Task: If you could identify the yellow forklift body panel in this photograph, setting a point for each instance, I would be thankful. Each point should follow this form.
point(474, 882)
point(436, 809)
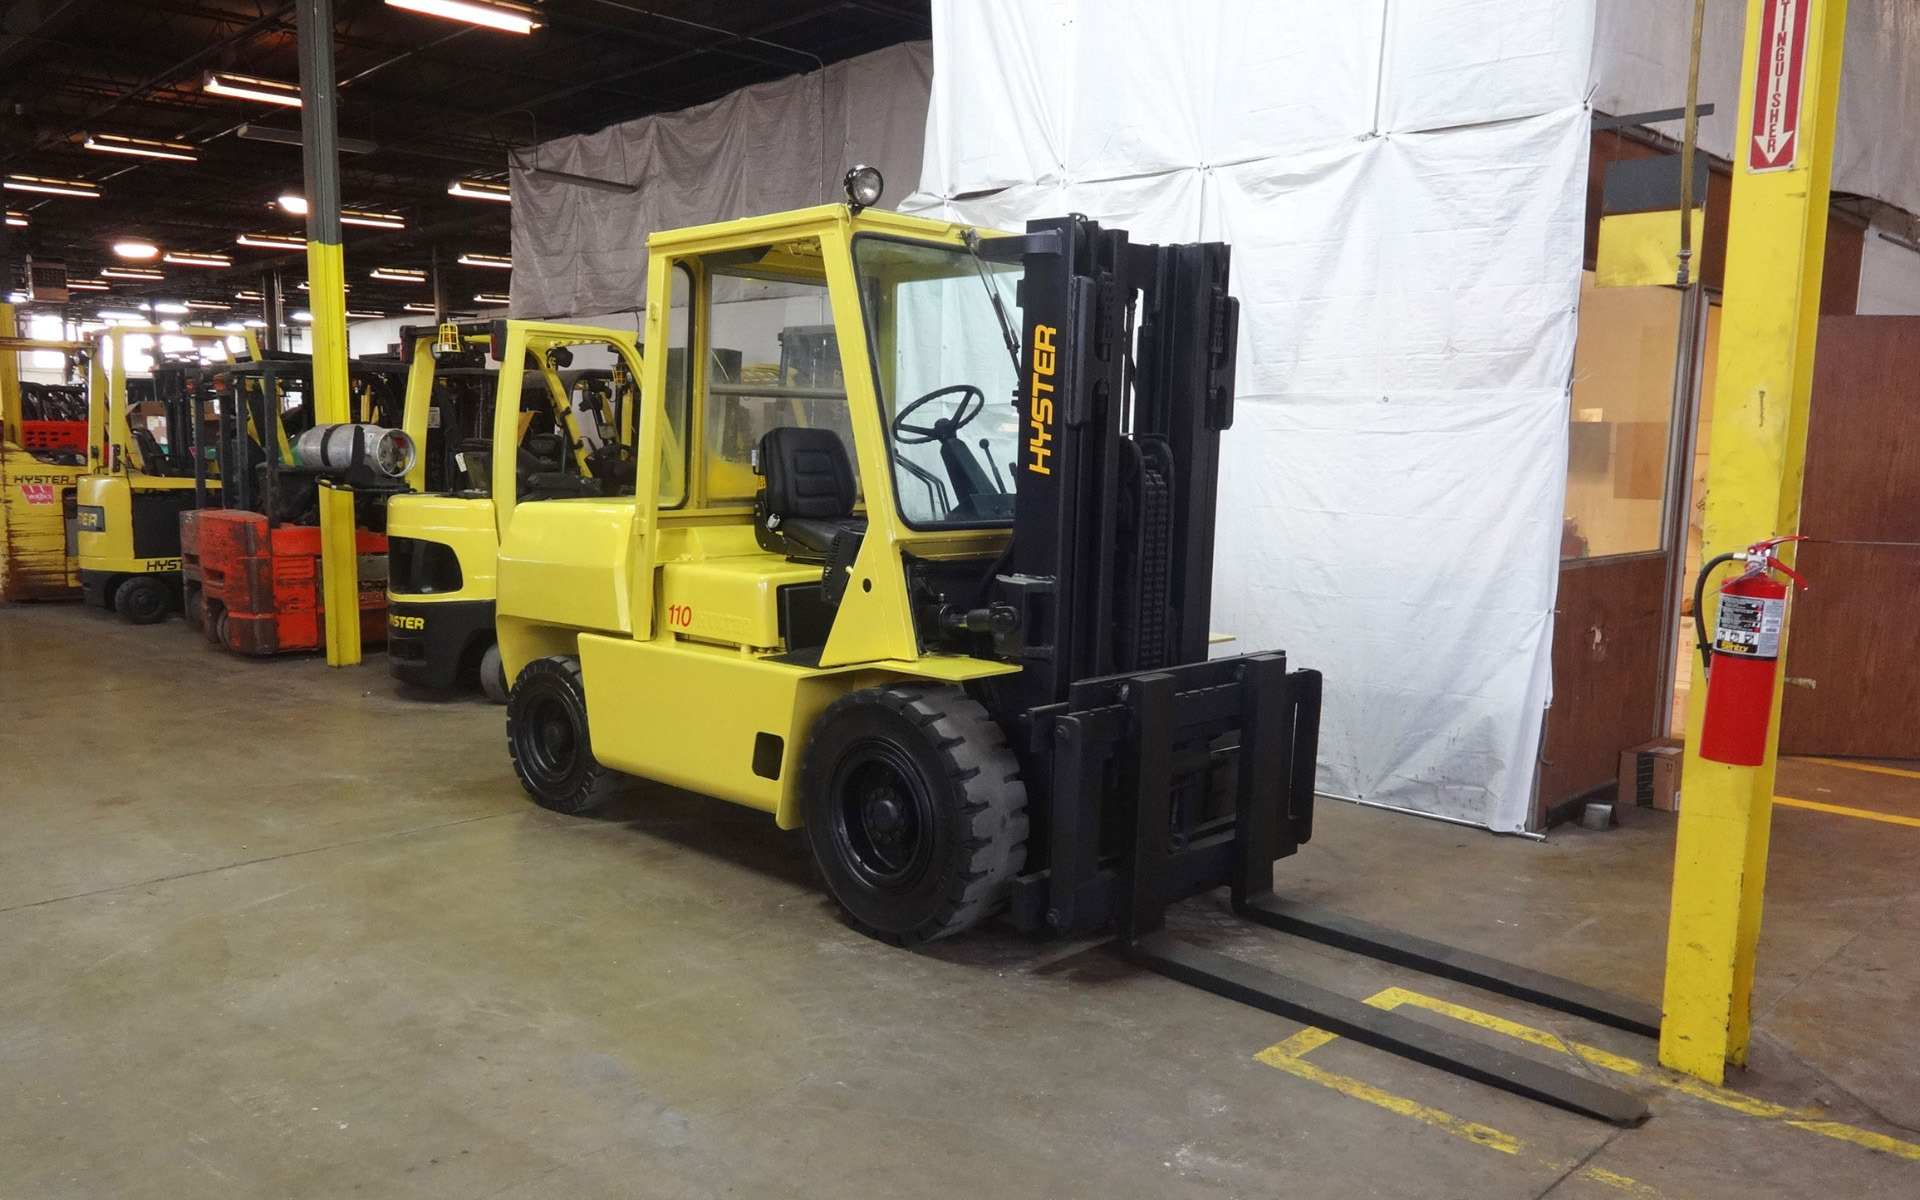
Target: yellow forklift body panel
point(462, 522)
point(565, 562)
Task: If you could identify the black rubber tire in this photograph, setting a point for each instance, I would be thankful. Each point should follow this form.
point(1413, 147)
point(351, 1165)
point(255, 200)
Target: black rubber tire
point(493, 676)
point(143, 600)
point(548, 741)
point(914, 809)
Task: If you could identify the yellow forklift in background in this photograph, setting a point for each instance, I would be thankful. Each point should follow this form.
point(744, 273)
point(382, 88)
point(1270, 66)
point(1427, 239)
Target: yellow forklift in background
point(43, 454)
point(572, 433)
point(942, 601)
point(145, 384)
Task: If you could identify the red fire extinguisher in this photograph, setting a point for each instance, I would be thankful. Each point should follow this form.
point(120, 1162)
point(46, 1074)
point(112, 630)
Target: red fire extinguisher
point(1744, 655)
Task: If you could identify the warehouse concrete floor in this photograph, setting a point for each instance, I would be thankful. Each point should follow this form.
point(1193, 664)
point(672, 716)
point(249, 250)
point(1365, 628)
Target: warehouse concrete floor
point(268, 928)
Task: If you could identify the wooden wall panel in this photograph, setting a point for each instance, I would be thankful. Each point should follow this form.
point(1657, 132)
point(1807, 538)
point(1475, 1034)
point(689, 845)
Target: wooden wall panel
point(1606, 673)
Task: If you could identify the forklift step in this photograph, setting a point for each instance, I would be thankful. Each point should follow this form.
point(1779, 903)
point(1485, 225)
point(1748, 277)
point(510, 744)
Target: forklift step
point(1381, 1029)
point(1449, 962)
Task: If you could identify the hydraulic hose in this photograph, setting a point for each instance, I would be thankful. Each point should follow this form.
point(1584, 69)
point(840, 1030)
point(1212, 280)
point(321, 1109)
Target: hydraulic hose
point(1699, 609)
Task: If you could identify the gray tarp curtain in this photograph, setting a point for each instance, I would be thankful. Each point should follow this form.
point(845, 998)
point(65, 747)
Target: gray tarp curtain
point(773, 146)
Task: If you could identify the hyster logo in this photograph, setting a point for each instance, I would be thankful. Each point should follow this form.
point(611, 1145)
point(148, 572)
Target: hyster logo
point(413, 623)
point(1040, 407)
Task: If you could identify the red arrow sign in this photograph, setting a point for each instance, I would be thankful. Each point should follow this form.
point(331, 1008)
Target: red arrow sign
point(1776, 86)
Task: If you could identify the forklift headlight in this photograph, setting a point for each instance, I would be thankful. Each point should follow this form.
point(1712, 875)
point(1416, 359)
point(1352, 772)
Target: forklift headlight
point(864, 185)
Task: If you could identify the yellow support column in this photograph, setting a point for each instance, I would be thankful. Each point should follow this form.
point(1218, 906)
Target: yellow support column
point(327, 298)
point(1776, 240)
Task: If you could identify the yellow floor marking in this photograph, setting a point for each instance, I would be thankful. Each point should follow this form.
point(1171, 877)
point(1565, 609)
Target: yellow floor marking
point(1840, 811)
point(1872, 1141)
point(1632, 1187)
point(1604, 1059)
point(1671, 1080)
point(1479, 1135)
point(1860, 766)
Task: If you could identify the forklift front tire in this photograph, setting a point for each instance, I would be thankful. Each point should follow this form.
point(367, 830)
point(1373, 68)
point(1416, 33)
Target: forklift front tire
point(143, 600)
point(493, 676)
point(914, 809)
point(547, 738)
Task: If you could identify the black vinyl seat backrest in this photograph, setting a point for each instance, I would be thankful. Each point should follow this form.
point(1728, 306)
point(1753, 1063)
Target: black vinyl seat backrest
point(808, 474)
point(806, 505)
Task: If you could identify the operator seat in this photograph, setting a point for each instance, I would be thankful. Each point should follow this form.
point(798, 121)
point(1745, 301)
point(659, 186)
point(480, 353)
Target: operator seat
point(805, 509)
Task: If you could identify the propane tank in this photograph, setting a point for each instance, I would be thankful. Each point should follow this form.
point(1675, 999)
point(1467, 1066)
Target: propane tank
point(1743, 658)
point(337, 448)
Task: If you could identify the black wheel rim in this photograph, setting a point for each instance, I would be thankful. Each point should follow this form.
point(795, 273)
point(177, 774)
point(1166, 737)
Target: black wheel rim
point(146, 601)
point(883, 816)
point(552, 740)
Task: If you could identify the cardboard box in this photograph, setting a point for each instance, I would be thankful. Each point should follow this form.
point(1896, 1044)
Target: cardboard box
point(1650, 776)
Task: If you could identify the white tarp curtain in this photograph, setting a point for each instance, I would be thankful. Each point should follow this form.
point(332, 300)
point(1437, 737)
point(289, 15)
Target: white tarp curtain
point(1640, 64)
point(1403, 183)
point(765, 148)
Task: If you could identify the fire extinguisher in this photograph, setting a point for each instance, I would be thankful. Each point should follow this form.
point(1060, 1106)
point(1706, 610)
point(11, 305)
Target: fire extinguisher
point(1744, 655)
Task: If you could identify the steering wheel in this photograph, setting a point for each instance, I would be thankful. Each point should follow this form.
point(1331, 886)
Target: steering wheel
point(973, 402)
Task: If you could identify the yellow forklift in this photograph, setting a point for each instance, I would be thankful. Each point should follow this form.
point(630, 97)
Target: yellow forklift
point(942, 602)
point(43, 454)
point(145, 384)
point(572, 433)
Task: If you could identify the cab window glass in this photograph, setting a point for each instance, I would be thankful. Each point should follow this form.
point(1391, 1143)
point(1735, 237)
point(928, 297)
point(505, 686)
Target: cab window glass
point(773, 360)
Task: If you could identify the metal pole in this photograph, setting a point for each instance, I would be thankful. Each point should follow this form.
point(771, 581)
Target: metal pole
point(273, 305)
point(439, 286)
point(1776, 242)
point(327, 299)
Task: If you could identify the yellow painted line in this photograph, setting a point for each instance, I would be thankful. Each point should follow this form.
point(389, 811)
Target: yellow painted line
point(1860, 766)
point(1619, 1183)
point(1838, 810)
point(1801, 1118)
point(1860, 1137)
point(1604, 1059)
point(1479, 1135)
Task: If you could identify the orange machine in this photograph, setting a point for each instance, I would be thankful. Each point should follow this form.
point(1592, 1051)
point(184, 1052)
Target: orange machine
point(256, 589)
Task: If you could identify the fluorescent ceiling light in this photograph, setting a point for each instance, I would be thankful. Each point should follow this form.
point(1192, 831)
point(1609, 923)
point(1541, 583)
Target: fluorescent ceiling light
point(254, 323)
point(302, 315)
point(166, 307)
point(486, 260)
point(208, 306)
point(267, 241)
point(291, 137)
point(304, 286)
point(365, 316)
point(246, 295)
point(252, 87)
point(18, 220)
point(135, 249)
point(86, 285)
point(113, 143)
point(490, 298)
point(112, 314)
point(494, 14)
point(417, 307)
point(53, 187)
point(353, 216)
point(297, 205)
point(130, 273)
point(477, 189)
point(398, 274)
point(184, 258)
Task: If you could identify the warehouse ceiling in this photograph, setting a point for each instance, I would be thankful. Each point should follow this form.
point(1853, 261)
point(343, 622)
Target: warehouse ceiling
point(428, 100)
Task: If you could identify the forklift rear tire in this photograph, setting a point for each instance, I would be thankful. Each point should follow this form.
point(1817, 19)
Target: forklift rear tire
point(143, 600)
point(493, 676)
point(548, 741)
point(914, 809)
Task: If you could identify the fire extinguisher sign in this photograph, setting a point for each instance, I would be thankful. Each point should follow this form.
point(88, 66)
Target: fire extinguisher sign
point(1775, 138)
point(1749, 626)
